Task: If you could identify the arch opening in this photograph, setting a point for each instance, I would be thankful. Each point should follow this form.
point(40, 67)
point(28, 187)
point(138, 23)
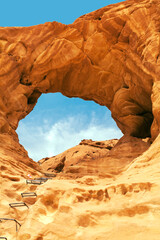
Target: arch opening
point(58, 123)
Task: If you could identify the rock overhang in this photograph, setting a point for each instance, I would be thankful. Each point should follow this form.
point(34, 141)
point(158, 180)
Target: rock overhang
point(110, 56)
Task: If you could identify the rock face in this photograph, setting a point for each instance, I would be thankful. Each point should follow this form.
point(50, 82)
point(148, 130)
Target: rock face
point(105, 159)
point(103, 190)
point(110, 56)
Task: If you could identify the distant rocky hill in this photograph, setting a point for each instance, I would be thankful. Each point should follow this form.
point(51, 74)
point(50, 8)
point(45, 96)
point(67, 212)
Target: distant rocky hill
point(102, 158)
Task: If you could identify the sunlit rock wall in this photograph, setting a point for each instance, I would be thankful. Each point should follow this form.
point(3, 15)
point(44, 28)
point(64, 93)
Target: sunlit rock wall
point(110, 56)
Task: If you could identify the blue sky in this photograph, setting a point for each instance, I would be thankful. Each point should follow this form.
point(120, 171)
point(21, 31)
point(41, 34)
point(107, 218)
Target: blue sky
point(33, 12)
point(57, 122)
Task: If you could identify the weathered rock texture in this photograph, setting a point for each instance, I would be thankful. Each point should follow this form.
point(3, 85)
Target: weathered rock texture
point(104, 159)
point(111, 56)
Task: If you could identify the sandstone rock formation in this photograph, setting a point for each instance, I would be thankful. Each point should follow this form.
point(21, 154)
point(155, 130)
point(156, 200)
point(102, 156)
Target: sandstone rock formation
point(110, 56)
point(103, 158)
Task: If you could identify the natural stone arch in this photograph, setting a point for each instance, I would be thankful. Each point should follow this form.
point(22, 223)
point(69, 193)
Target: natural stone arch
point(105, 56)
point(130, 54)
point(57, 123)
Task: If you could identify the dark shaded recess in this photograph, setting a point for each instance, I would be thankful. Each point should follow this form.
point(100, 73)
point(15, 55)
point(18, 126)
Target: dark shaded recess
point(109, 147)
point(60, 166)
point(125, 86)
point(24, 81)
point(98, 17)
point(44, 77)
point(34, 96)
point(145, 129)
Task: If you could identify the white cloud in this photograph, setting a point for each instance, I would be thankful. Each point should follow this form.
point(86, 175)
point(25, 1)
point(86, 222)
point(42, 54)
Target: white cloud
point(51, 139)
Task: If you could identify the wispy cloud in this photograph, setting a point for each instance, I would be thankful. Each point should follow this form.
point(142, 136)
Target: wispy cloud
point(51, 139)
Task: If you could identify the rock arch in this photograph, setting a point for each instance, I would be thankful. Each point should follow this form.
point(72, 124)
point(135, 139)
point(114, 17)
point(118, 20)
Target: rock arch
point(110, 56)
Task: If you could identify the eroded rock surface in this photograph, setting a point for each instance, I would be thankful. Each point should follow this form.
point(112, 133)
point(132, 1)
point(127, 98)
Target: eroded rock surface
point(103, 158)
point(110, 56)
